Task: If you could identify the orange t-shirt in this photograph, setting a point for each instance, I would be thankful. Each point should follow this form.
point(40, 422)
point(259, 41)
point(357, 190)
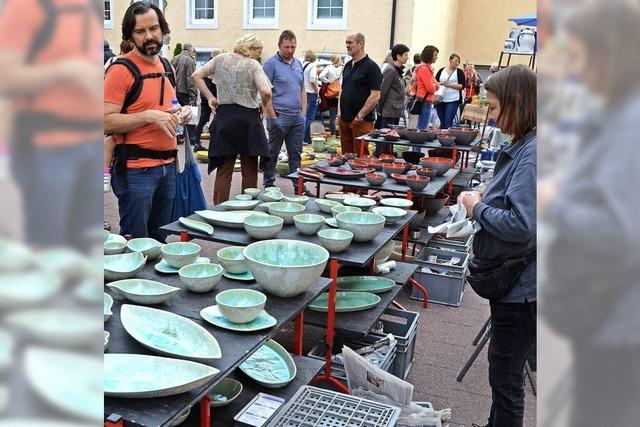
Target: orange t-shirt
point(118, 82)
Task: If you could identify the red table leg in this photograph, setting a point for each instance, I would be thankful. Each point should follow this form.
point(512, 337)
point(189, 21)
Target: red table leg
point(205, 411)
point(114, 420)
point(300, 186)
point(297, 338)
point(423, 291)
point(184, 236)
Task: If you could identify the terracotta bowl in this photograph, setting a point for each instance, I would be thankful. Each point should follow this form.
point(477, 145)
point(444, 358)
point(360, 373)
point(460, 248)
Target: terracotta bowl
point(376, 164)
point(430, 172)
point(355, 164)
point(417, 182)
point(400, 178)
point(440, 164)
point(387, 158)
point(376, 178)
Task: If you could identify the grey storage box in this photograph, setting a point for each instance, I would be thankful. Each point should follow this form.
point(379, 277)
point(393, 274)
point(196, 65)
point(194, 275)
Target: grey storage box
point(404, 326)
point(461, 245)
point(444, 283)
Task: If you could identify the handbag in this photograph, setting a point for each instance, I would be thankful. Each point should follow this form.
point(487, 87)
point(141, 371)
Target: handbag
point(333, 89)
point(439, 95)
point(495, 279)
point(415, 104)
point(189, 194)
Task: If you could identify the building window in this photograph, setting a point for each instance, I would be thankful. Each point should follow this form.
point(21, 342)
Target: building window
point(260, 14)
point(327, 14)
point(108, 23)
point(202, 14)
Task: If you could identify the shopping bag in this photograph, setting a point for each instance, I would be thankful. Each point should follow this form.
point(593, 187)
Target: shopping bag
point(189, 194)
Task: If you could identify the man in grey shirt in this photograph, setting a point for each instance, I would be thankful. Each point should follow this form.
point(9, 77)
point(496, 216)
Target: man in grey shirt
point(286, 111)
point(184, 65)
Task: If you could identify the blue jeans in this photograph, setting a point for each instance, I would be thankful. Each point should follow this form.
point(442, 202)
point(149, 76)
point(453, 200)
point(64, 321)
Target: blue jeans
point(423, 119)
point(290, 130)
point(312, 109)
point(146, 203)
point(447, 112)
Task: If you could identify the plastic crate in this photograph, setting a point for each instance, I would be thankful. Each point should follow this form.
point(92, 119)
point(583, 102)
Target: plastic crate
point(312, 406)
point(446, 288)
point(463, 245)
point(337, 369)
point(404, 326)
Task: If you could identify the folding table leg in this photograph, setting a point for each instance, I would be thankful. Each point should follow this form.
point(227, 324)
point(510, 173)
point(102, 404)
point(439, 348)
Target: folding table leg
point(423, 291)
point(300, 189)
point(299, 329)
point(205, 411)
point(184, 236)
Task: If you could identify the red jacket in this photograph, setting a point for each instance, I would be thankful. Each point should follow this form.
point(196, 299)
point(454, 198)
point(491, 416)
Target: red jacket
point(426, 82)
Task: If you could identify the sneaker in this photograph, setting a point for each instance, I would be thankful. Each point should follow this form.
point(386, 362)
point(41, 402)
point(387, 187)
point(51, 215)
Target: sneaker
point(199, 148)
point(107, 181)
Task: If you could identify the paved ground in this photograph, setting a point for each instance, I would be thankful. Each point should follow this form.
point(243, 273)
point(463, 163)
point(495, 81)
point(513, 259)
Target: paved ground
point(443, 343)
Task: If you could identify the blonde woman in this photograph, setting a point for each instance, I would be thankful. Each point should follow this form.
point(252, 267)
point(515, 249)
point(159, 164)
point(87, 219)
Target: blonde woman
point(237, 128)
point(330, 74)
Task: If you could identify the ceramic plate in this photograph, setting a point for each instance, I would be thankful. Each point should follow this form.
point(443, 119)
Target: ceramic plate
point(263, 321)
point(373, 284)
point(6, 350)
point(343, 173)
point(331, 222)
point(396, 202)
point(18, 290)
point(239, 205)
point(143, 291)
point(49, 372)
point(57, 325)
point(270, 366)
point(106, 306)
point(137, 375)
point(346, 301)
point(106, 335)
point(245, 277)
point(227, 219)
point(170, 334)
point(164, 267)
point(196, 225)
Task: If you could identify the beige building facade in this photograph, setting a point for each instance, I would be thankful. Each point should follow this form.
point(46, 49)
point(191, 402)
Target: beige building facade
point(472, 28)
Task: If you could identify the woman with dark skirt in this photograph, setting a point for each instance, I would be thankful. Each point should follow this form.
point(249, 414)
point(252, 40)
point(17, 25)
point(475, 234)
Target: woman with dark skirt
point(237, 128)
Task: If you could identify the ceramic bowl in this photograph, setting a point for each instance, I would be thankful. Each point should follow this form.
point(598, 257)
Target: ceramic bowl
point(429, 172)
point(365, 226)
point(446, 140)
point(263, 227)
point(464, 136)
point(326, 205)
point(376, 164)
point(391, 168)
point(123, 266)
point(335, 161)
point(391, 137)
point(240, 205)
point(433, 204)
point(360, 202)
point(376, 179)
point(179, 254)
point(396, 202)
point(253, 192)
point(335, 240)
point(336, 197)
point(296, 199)
point(417, 182)
point(399, 178)
point(356, 164)
point(105, 236)
point(200, 277)
point(241, 305)
point(390, 214)
point(286, 210)
point(412, 157)
point(440, 164)
point(308, 224)
point(244, 197)
point(418, 137)
point(340, 209)
point(143, 291)
point(271, 196)
point(225, 392)
point(115, 244)
point(387, 158)
point(265, 206)
point(286, 268)
point(148, 246)
point(273, 188)
point(232, 260)
point(350, 156)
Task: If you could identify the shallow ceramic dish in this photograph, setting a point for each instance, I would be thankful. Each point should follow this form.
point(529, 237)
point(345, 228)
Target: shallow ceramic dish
point(66, 380)
point(343, 173)
point(433, 204)
point(337, 197)
point(270, 366)
point(302, 200)
point(196, 225)
point(106, 306)
point(232, 259)
point(148, 246)
point(396, 202)
point(105, 338)
point(143, 291)
point(390, 214)
point(335, 240)
point(115, 244)
point(308, 224)
point(140, 376)
point(286, 268)
point(326, 205)
point(123, 266)
point(169, 334)
point(365, 226)
point(179, 254)
point(271, 196)
point(416, 182)
point(253, 192)
point(376, 179)
point(241, 305)
point(232, 219)
point(57, 326)
point(164, 267)
point(360, 202)
point(264, 207)
point(200, 277)
point(240, 205)
point(244, 197)
point(440, 164)
point(244, 277)
point(373, 284)
point(356, 164)
point(286, 210)
point(18, 290)
point(428, 172)
point(263, 227)
point(346, 301)
point(341, 209)
point(225, 392)
point(213, 315)
point(331, 222)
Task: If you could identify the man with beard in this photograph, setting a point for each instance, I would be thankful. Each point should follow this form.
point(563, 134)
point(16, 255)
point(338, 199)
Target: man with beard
point(145, 173)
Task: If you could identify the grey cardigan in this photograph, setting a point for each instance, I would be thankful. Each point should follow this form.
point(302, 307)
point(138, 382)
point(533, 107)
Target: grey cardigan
point(391, 102)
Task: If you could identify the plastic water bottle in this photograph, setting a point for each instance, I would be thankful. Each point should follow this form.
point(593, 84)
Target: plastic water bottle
point(175, 108)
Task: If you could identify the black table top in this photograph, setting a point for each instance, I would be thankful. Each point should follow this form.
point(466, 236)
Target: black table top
point(430, 144)
point(357, 322)
point(356, 254)
point(401, 274)
point(436, 184)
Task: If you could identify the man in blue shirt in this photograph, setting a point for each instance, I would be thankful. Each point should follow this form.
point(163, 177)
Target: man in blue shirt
point(286, 110)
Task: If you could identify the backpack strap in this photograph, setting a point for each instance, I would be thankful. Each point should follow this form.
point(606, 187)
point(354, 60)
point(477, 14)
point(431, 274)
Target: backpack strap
point(45, 32)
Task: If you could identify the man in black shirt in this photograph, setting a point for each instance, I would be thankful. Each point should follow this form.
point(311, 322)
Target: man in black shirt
point(361, 80)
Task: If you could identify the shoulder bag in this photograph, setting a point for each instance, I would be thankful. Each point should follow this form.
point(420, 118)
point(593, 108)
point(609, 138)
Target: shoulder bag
point(440, 92)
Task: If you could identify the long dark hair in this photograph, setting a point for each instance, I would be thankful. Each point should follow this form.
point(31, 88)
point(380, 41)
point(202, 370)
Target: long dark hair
point(140, 8)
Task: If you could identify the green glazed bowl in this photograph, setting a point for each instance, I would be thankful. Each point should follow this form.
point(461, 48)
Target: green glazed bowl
point(253, 192)
point(241, 305)
point(200, 277)
point(365, 226)
point(341, 209)
point(326, 205)
point(296, 199)
point(337, 197)
point(271, 196)
point(286, 268)
point(390, 213)
point(240, 205)
point(115, 244)
point(225, 392)
point(123, 266)
point(308, 224)
point(244, 197)
point(286, 210)
point(335, 240)
point(148, 246)
point(263, 227)
point(361, 202)
point(232, 260)
point(179, 254)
